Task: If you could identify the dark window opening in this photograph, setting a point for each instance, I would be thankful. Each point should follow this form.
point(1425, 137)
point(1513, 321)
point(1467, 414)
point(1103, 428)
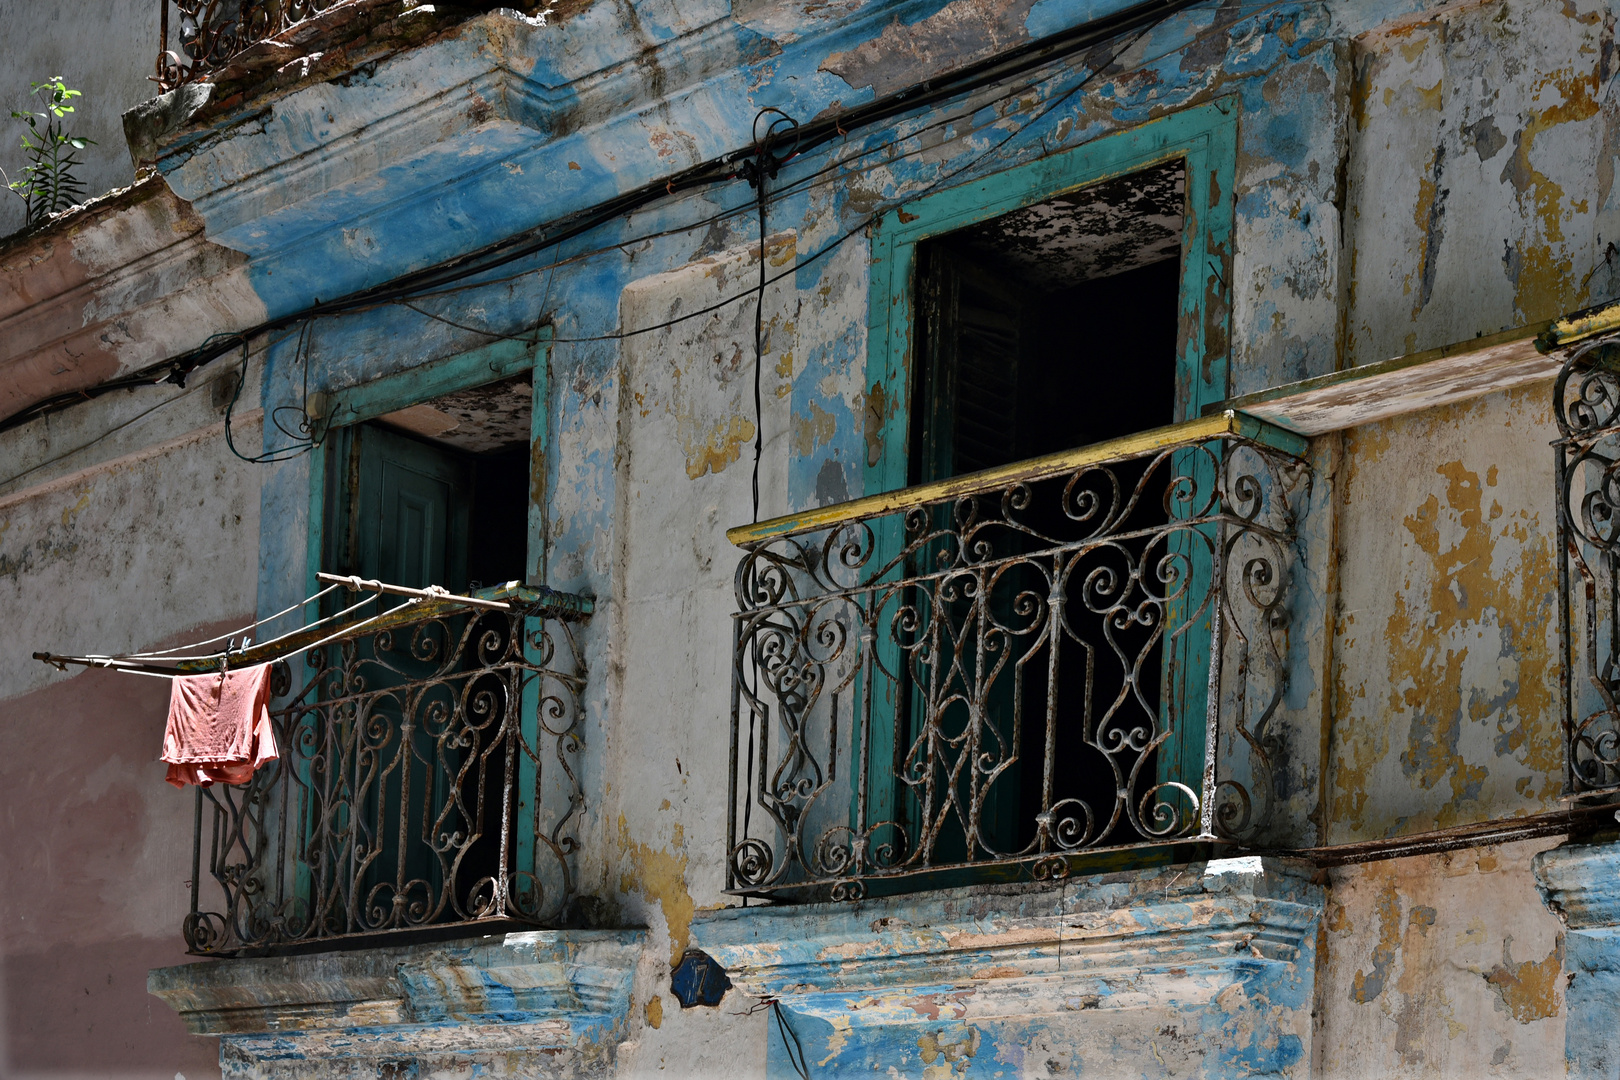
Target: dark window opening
point(1043, 330)
point(436, 494)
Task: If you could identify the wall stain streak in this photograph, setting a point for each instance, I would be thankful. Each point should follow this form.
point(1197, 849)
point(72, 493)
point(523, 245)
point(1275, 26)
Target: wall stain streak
point(660, 876)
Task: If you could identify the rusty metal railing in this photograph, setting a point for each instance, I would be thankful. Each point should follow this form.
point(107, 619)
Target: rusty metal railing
point(208, 34)
point(426, 777)
point(992, 675)
point(1586, 406)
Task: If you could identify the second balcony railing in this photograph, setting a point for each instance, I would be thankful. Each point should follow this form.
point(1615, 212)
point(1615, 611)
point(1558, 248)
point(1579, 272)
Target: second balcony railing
point(991, 676)
point(202, 36)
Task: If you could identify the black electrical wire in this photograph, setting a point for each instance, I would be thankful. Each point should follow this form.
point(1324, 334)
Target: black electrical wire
point(306, 426)
point(795, 1050)
point(973, 76)
point(764, 169)
point(306, 437)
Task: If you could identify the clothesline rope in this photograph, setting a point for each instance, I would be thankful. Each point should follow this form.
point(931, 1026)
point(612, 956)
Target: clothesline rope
point(229, 635)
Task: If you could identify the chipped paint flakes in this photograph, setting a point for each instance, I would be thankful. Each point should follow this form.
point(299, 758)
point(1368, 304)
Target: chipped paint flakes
point(1530, 989)
point(1446, 642)
point(659, 875)
point(1430, 984)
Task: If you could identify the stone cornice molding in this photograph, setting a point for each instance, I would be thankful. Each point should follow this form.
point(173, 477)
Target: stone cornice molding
point(1112, 929)
point(548, 993)
point(122, 283)
point(1581, 883)
point(504, 122)
point(1215, 961)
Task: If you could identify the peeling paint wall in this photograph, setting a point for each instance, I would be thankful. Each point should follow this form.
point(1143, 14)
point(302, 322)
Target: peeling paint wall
point(1441, 965)
point(1407, 175)
point(1446, 701)
point(1481, 172)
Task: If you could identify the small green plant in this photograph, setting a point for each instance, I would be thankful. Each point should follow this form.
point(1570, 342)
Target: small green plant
point(48, 185)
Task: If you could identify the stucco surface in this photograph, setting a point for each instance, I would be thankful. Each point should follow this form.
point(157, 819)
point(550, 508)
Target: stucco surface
point(1406, 175)
point(106, 48)
point(95, 846)
point(1441, 965)
point(1446, 702)
point(1481, 172)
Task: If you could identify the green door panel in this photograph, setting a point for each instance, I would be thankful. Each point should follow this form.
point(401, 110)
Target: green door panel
point(413, 509)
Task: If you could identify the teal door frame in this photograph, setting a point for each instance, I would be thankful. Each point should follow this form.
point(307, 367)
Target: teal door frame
point(367, 401)
point(1205, 137)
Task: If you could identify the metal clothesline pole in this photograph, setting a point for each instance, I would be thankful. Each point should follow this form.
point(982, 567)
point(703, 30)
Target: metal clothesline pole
point(432, 592)
point(131, 663)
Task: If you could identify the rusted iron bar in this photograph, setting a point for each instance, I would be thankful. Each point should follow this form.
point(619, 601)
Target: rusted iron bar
point(533, 600)
point(1602, 319)
point(1229, 423)
point(1575, 819)
point(212, 33)
point(109, 662)
point(424, 604)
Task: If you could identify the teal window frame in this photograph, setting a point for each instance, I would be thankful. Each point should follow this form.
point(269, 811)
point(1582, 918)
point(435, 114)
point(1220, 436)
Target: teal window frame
point(389, 393)
point(1205, 137)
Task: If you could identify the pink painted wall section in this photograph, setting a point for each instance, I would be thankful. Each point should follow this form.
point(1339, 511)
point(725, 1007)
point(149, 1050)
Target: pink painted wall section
point(97, 850)
point(145, 550)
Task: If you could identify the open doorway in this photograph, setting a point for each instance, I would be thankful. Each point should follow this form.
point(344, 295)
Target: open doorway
point(1046, 329)
point(433, 494)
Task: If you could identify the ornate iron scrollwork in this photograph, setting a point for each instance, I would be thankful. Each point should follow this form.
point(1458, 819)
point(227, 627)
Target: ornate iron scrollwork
point(1586, 406)
point(211, 33)
point(426, 776)
point(1016, 674)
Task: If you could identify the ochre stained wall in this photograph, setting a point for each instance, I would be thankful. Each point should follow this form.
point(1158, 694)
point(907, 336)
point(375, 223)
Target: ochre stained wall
point(1445, 680)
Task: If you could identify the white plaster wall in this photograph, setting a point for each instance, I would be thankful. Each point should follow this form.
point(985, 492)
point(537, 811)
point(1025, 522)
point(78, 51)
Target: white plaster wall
point(116, 557)
point(686, 453)
point(685, 459)
point(105, 48)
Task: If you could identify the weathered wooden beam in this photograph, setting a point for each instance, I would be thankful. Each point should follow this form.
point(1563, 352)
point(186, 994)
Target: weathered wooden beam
point(1372, 392)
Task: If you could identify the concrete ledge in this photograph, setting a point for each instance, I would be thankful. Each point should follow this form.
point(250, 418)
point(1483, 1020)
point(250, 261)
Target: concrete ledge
point(543, 1002)
point(1220, 955)
point(1580, 882)
point(1372, 392)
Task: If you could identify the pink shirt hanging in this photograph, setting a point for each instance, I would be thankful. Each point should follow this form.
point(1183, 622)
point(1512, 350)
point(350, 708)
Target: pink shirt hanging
point(219, 729)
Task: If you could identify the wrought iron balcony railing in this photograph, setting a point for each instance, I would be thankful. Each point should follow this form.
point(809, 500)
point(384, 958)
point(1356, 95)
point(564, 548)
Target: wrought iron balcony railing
point(1586, 405)
point(208, 34)
point(426, 777)
point(989, 676)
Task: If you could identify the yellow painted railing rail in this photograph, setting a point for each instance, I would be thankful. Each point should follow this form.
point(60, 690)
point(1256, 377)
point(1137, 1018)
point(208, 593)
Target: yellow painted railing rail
point(1041, 468)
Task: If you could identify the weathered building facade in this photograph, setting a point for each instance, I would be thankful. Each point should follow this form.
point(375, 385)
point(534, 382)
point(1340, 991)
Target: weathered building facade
point(1013, 539)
